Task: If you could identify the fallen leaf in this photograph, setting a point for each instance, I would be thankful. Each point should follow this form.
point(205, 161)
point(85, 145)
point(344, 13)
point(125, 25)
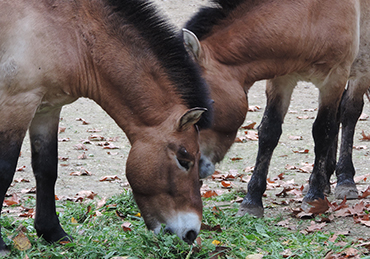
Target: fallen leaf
point(251, 135)
point(250, 126)
point(319, 206)
point(61, 129)
point(365, 193)
point(226, 184)
point(109, 178)
point(209, 193)
point(216, 242)
point(21, 169)
point(365, 137)
point(21, 180)
point(13, 200)
point(86, 194)
point(83, 121)
point(303, 151)
point(96, 137)
point(21, 242)
point(315, 227)
point(206, 227)
point(236, 158)
point(126, 226)
point(254, 108)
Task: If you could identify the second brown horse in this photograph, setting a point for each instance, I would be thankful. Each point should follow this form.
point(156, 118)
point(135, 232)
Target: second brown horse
point(243, 41)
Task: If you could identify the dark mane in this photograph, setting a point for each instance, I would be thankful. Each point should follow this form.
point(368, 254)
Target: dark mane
point(207, 17)
point(170, 51)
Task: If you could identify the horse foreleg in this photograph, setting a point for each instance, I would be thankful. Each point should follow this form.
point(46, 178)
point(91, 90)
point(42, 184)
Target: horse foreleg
point(278, 93)
point(43, 136)
point(10, 145)
point(351, 108)
point(325, 131)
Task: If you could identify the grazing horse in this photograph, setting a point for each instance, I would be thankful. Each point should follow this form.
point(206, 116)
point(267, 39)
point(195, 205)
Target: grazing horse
point(127, 58)
point(283, 41)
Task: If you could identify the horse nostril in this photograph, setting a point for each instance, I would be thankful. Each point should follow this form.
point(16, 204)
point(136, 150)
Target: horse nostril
point(190, 237)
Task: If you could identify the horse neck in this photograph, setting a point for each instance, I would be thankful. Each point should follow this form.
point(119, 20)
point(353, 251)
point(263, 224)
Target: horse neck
point(127, 81)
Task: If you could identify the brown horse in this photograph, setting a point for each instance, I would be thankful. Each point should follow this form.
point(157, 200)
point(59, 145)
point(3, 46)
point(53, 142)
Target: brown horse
point(285, 42)
point(127, 58)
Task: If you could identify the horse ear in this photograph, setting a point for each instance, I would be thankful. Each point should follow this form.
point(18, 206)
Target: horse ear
point(189, 118)
point(191, 43)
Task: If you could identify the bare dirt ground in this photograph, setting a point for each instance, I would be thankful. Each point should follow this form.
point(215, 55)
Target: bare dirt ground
point(100, 161)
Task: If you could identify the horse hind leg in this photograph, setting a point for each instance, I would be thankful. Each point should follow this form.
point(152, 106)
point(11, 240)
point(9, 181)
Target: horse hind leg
point(278, 91)
point(325, 131)
point(43, 136)
point(351, 108)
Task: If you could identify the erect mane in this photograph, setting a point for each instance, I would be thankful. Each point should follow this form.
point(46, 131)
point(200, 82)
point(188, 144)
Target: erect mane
point(168, 47)
point(207, 17)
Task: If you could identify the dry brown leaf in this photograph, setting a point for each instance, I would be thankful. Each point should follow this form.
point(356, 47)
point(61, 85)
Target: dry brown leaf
point(61, 129)
point(226, 184)
point(21, 242)
point(236, 158)
point(302, 151)
point(251, 135)
point(109, 178)
point(86, 194)
point(126, 226)
point(83, 121)
point(249, 126)
point(21, 180)
point(319, 206)
point(315, 226)
point(254, 108)
point(14, 200)
point(206, 227)
point(21, 169)
point(365, 193)
point(365, 137)
point(209, 194)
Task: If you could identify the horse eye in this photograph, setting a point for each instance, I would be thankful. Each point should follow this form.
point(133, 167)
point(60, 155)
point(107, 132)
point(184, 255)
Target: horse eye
point(185, 164)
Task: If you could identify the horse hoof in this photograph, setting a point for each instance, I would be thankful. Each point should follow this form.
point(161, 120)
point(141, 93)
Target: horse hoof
point(254, 211)
point(350, 192)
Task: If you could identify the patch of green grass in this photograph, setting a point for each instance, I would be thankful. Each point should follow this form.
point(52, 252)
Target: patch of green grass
point(103, 237)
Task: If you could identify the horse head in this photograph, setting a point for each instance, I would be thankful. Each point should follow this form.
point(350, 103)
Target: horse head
point(162, 169)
